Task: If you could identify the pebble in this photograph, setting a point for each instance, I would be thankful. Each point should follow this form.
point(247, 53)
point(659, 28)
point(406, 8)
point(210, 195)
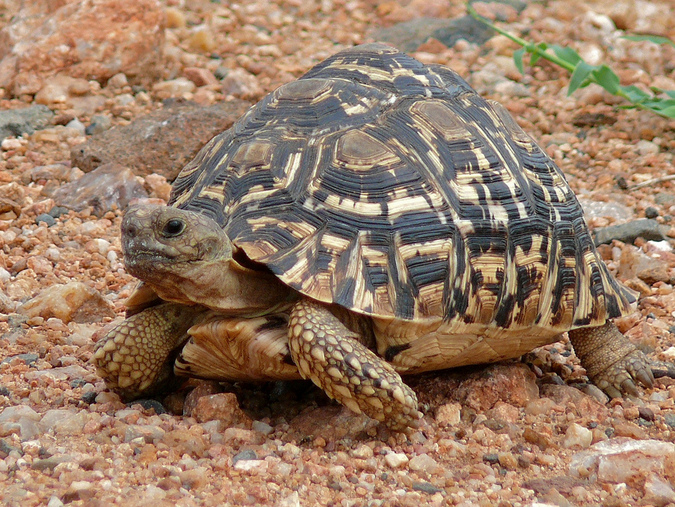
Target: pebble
point(396, 459)
point(98, 124)
point(174, 88)
point(423, 463)
point(448, 414)
point(46, 219)
point(577, 436)
point(223, 407)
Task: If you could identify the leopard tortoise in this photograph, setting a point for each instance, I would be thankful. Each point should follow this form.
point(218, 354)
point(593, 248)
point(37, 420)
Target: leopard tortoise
point(374, 218)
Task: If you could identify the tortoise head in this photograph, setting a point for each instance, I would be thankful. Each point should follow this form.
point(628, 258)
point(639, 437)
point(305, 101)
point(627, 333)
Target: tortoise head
point(157, 239)
point(186, 257)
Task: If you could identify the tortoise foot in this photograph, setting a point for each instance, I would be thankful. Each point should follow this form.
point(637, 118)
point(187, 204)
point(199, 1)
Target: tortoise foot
point(611, 361)
point(332, 356)
point(135, 357)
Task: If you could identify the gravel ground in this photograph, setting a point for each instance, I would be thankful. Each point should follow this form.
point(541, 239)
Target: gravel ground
point(509, 434)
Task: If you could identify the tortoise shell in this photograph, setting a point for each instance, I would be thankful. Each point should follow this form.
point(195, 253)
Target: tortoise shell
point(391, 188)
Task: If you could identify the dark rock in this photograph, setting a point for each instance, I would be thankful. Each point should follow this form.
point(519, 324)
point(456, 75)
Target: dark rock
point(57, 211)
point(148, 404)
point(102, 189)
point(410, 35)
point(426, 487)
point(247, 454)
point(16, 122)
point(28, 359)
point(493, 459)
point(45, 218)
point(651, 212)
point(89, 397)
point(669, 419)
point(645, 228)
point(161, 142)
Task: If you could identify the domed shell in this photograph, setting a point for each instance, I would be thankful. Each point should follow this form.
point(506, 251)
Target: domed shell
point(391, 188)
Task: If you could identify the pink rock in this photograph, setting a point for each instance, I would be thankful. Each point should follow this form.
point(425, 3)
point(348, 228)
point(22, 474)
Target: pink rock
point(513, 384)
point(623, 459)
point(89, 39)
point(223, 407)
point(73, 301)
point(200, 77)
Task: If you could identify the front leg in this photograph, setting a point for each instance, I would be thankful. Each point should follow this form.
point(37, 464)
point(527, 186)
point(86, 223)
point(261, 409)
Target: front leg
point(337, 361)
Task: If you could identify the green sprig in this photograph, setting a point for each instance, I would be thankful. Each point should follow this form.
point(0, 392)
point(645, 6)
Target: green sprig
point(583, 73)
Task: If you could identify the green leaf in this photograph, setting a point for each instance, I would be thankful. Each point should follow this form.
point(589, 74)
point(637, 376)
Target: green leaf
point(670, 93)
point(606, 78)
point(580, 74)
point(518, 59)
point(635, 94)
point(656, 39)
point(669, 112)
point(536, 52)
point(567, 54)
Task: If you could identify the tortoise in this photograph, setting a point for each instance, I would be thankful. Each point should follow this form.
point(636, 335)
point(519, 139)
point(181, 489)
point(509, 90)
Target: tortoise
point(375, 217)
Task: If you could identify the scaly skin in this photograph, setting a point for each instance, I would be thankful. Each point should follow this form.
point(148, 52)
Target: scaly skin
point(611, 361)
point(335, 359)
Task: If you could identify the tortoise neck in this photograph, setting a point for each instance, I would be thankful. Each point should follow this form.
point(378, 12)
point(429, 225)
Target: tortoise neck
point(225, 286)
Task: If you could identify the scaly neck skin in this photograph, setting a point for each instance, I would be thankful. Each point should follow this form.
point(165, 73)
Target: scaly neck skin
point(224, 286)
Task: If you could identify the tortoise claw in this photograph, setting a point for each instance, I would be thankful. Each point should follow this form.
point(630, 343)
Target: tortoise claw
point(612, 362)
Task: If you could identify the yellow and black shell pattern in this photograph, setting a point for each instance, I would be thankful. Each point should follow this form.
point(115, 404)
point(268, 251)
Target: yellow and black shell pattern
point(393, 189)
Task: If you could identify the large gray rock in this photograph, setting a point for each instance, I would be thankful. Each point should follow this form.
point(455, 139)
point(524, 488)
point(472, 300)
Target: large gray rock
point(16, 122)
point(161, 142)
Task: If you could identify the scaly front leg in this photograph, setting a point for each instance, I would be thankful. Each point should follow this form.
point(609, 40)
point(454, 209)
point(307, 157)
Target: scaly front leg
point(337, 361)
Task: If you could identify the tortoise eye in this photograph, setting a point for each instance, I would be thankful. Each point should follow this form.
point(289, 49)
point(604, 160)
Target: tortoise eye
point(173, 228)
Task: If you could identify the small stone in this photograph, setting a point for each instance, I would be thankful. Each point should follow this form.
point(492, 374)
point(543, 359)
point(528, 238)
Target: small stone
point(423, 463)
point(251, 465)
point(16, 122)
point(149, 433)
point(508, 460)
point(174, 18)
point(98, 124)
point(202, 40)
point(222, 406)
point(426, 487)
point(448, 414)
point(262, 427)
point(242, 84)
point(645, 147)
point(174, 88)
point(199, 76)
point(46, 219)
point(247, 454)
point(396, 459)
point(362, 452)
point(577, 436)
